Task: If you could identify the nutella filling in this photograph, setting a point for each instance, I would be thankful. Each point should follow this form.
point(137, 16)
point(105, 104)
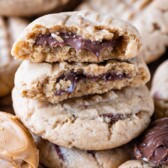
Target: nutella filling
point(113, 118)
point(75, 77)
point(76, 42)
point(153, 146)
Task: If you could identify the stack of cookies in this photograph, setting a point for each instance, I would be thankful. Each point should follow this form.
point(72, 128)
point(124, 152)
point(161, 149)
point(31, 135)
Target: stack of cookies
point(82, 85)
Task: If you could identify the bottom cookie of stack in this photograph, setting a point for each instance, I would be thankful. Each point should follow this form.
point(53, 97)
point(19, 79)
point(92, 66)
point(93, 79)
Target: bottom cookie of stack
point(54, 156)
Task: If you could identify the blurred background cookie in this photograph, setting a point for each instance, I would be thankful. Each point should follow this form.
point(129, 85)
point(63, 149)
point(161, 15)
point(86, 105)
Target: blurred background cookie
point(36, 7)
point(150, 17)
point(159, 90)
point(9, 31)
point(17, 148)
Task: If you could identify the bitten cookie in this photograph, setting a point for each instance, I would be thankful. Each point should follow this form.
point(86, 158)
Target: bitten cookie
point(107, 120)
point(150, 17)
point(152, 150)
point(8, 65)
point(27, 8)
point(60, 81)
point(54, 156)
point(159, 90)
point(17, 148)
point(77, 36)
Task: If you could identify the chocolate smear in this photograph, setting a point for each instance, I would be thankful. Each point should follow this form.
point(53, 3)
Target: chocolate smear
point(76, 42)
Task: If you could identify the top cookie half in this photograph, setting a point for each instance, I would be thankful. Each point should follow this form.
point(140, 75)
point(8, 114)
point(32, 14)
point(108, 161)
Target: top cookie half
point(82, 36)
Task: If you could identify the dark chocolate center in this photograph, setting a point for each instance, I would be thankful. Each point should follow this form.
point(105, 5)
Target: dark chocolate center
point(76, 42)
point(75, 77)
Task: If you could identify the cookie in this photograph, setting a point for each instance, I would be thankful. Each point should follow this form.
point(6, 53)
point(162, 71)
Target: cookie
point(25, 8)
point(8, 65)
point(60, 81)
point(150, 17)
point(139, 164)
point(53, 156)
point(159, 90)
point(17, 148)
point(107, 120)
point(77, 37)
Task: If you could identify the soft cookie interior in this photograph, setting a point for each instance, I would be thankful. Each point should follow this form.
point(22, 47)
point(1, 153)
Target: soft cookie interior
point(57, 82)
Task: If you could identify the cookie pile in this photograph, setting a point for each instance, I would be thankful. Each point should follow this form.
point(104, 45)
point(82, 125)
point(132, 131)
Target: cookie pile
point(82, 85)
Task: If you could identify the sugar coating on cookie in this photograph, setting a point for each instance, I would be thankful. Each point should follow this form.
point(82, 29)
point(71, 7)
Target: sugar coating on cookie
point(159, 90)
point(60, 81)
point(27, 8)
point(108, 120)
point(54, 156)
point(17, 148)
point(77, 36)
point(150, 17)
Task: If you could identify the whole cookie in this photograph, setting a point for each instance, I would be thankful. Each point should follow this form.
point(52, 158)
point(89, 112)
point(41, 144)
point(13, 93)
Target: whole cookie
point(82, 36)
point(54, 156)
point(150, 17)
point(27, 8)
point(8, 65)
point(139, 164)
point(17, 148)
point(107, 121)
point(159, 90)
point(60, 81)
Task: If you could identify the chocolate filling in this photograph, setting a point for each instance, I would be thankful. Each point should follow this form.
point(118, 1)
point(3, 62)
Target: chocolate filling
point(153, 146)
point(77, 42)
point(113, 118)
point(75, 77)
point(58, 150)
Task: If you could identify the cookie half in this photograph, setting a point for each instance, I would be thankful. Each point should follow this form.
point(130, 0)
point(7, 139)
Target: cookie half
point(150, 17)
point(8, 65)
point(54, 156)
point(159, 90)
point(25, 8)
point(107, 120)
point(79, 37)
point(17, 148)
point(60, 81)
